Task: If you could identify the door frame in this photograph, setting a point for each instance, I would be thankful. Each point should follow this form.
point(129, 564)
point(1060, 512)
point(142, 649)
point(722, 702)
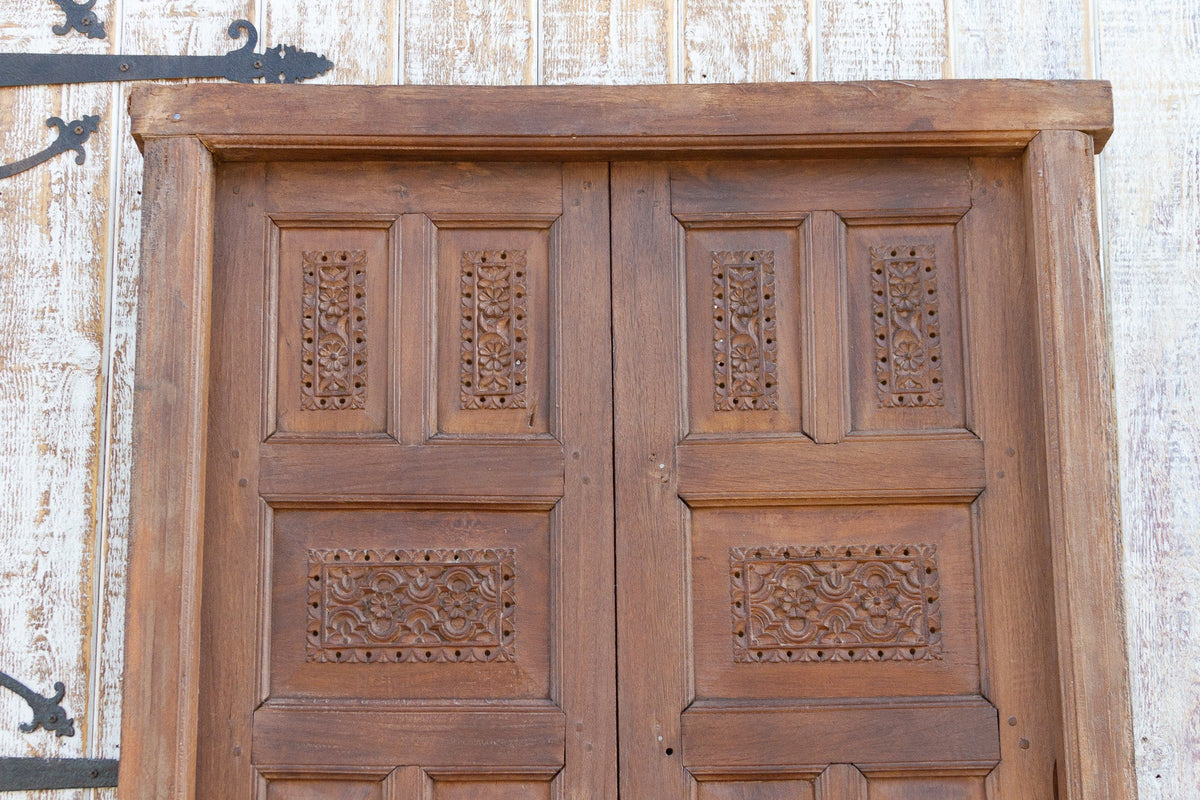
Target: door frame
point(1055, 127)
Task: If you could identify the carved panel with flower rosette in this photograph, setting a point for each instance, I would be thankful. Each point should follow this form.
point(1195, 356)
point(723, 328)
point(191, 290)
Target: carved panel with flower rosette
point(908, 348)
point(744, 341)
point(856, 603)
point(333, 330)
point(493, 329)
point(411, 605)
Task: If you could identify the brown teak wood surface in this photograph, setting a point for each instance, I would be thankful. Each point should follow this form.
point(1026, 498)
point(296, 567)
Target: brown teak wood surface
point(659, 679)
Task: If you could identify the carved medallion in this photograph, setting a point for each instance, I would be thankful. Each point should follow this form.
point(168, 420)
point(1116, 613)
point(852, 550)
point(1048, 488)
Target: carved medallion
point(845, 603)
point(744, 341)
point(494, 339)
point(908, 346)
point(333, 330)
point(411, 605)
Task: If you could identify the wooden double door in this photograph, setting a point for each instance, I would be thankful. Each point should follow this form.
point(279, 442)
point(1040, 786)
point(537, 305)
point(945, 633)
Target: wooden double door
point(663, 480)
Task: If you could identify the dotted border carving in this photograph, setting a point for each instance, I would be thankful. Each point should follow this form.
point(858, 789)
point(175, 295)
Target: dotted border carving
point(908, 347)
point(843, 603)
point(333, 330)
point(493, 329)
point(744, 339)
point(411, 605)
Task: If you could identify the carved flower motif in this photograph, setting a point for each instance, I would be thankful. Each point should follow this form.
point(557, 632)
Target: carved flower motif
point(494, 353)
point(459, 605)
point(494, 300)
point(905, 294)
point(334, 299)
point(743, 299)
point(382, 605)
point(744, 357)
point(908, 355)
point(794, 597)
point(333, 356)
point(878, 601)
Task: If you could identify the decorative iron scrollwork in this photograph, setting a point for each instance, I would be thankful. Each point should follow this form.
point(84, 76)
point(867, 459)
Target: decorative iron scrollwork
point(47, 711)
point(71, 136)
point(278, 64)
point(81, 18)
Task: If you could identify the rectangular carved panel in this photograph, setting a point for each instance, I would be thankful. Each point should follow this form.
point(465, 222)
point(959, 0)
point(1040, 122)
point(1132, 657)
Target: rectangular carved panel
point(333, 333)
point(411, 605)
point(744, 338)
point(843, 603)
point(494, 337)
point(908, 348)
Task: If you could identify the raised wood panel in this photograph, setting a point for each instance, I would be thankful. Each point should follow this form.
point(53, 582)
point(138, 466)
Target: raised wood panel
point(861, 185)
point(323, 789)
point(958, 733)
point(491, 790)
point(394, 605)
point(530, 474)
point(772, 620)
point(483, 738)
point(760, 472)
point(755, 790)
point(924, 788)
point(735, 42)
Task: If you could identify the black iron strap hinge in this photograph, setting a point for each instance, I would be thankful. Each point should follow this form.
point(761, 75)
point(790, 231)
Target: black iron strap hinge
point(23, 774)
point(279, 64)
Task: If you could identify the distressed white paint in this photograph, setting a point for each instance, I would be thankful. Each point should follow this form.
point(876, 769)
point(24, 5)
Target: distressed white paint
point(745, 40)
point(68, 272)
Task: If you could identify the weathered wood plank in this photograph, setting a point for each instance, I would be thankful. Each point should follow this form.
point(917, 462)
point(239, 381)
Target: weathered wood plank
point(469, 42)
point(51, 368)
point(605, 41)
point(1020, 39)
point(734, 41)
point(880, 39)
point(361, 41)
point(1151, 187)
point(185, 28)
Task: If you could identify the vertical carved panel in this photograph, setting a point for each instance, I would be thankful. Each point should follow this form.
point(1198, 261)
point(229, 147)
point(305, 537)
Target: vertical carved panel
point(857, 603)
point(908, 349)
point(411, 605)
point(744, 340)
point(494, 337)
point(333, 330)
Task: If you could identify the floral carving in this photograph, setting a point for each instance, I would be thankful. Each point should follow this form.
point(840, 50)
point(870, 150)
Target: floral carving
point(908, 348)
point(333, 330)
point(856, 603)
point(411, 605)
point(493, 329)
point(744, 342)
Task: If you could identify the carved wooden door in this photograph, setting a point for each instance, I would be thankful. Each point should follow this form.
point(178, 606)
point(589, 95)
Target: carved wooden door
point(408, 545)
point(832, 569)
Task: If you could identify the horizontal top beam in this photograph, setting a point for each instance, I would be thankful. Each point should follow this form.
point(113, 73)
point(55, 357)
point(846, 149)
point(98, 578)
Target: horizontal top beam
point(241, 122)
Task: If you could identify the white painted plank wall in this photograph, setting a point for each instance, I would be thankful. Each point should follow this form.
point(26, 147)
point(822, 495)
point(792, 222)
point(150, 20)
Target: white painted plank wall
point(68, 263)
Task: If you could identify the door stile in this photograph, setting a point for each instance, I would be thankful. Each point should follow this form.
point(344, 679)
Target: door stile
point(586, 670)
point(652, 675)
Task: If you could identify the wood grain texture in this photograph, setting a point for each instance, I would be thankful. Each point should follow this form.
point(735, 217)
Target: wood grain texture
point(880, 39)
point(734, 41)
point(162, 633)
point(1151, 189)
point(1020, 39)
point(52, 276)
point(362, 44)
point(145, 27)
point(605, 41)
point(469, 42)
point(1080, 461)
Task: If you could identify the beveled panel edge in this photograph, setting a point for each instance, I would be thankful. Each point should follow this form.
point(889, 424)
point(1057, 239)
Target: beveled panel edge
point(997, 114)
